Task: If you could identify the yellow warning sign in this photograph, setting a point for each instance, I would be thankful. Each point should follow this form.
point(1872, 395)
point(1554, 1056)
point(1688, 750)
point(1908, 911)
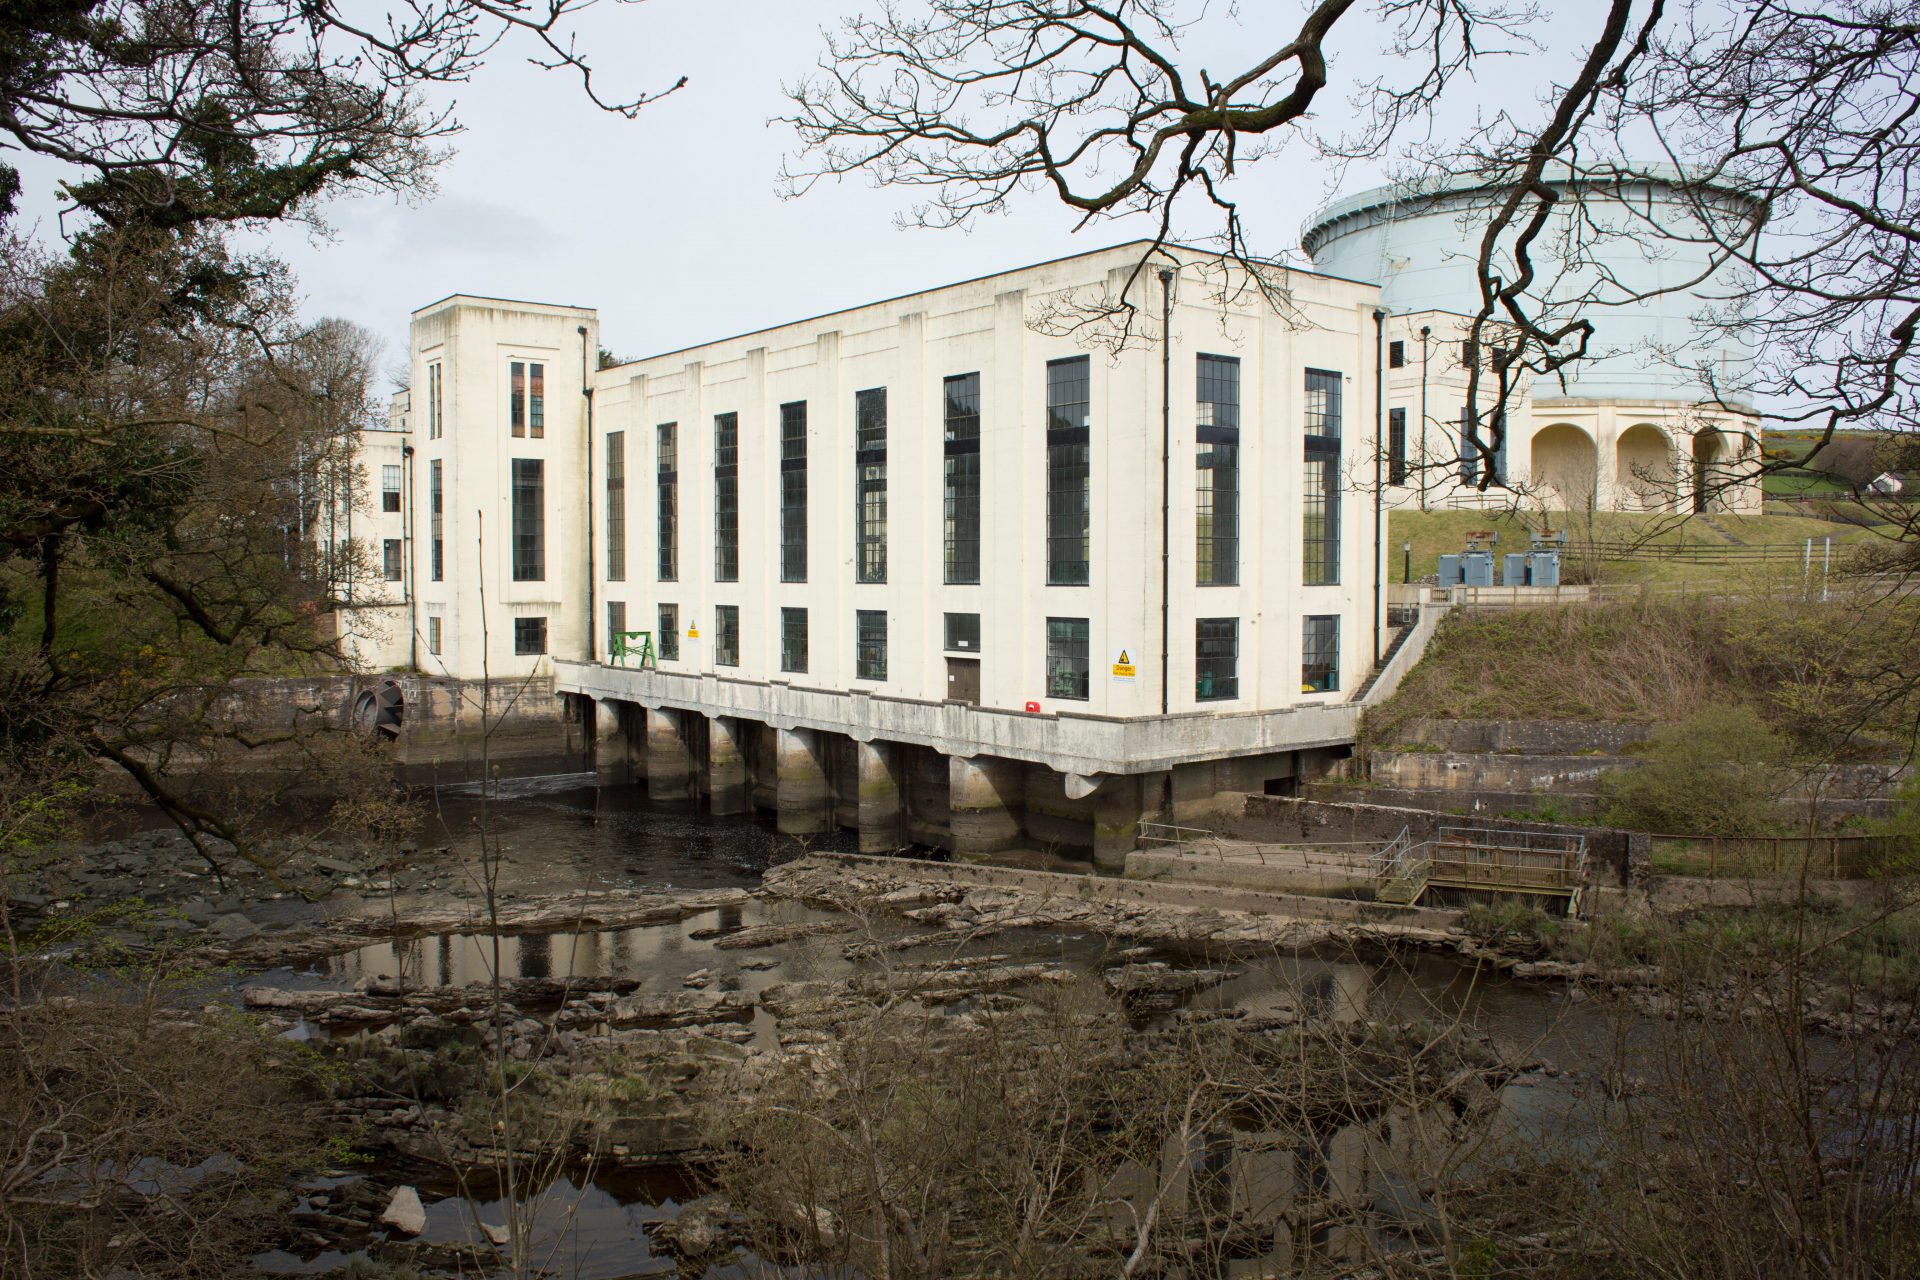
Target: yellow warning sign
point(1123, 668)
point(693, 633)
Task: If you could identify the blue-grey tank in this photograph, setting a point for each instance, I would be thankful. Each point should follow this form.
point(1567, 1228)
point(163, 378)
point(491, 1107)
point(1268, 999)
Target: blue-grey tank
point(1624, 237)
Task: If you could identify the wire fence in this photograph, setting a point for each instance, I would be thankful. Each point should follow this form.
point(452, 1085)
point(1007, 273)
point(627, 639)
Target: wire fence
point(1828, 857)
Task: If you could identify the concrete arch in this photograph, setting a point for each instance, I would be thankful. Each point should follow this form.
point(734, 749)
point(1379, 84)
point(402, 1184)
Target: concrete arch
point(1643, 467)
point(1566, 461)
point(1711, 452)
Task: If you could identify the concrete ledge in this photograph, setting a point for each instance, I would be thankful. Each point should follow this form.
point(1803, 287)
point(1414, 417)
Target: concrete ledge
point(1167, 866)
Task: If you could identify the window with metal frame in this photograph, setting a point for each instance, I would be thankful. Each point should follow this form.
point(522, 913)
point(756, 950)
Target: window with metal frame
point(793, 492)
point(1216, 659)
point(1396, 446)
point(870, 644)
point(726, 497)
point(793, 640)
point(433, 401)
point(1320, 487)
point(529, 520)
point(436, 519)
point(616, 624)
point(390, 559)
point(1068, 666)
point(536, 400)
point(726, 635)
point(870, 485)
point(1475, 449)
point(433, 635)
point(1069, 471)
point(616, 506)
point(963, 632)
point(517, 397)
point(529, 636)
point(390, 488)
point(667, 499)
point(1396, 355)
point(1320, 654)
point(962, 479)
point(1216, 499)
point(667, 643)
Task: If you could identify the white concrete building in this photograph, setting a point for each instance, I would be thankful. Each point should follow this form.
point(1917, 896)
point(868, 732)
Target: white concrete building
point(1656, 418)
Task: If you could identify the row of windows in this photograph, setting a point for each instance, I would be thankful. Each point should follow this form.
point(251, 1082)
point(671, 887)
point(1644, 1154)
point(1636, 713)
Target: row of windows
point(1472, 450)
point(1216, 661)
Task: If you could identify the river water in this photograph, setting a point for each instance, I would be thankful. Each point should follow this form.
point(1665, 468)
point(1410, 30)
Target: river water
point(562, 834)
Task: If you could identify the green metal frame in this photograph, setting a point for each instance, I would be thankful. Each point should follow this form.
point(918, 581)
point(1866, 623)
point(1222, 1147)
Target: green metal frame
point(633, 644)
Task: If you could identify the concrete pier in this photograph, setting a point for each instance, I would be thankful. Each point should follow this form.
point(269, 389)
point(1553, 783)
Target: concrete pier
point(984, 804)
point(1118, 806)
point(612, 756)
point(804, 804)
point(727, 791)
point(671, 768)
point(882, 823)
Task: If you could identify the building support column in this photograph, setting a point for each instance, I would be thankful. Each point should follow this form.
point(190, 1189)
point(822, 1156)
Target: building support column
point(612, 760)
point(726, 769)
point(670, 763)
point(984, 797)
point(881, 817)
point(804, 803)
point(1117, 810)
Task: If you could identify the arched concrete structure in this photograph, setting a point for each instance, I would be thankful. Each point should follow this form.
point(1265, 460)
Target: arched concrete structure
point(1712, 451)
point(1643, 468)
point(1566, 462)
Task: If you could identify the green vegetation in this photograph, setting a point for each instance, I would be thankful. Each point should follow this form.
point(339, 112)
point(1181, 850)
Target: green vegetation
point(1720, 771)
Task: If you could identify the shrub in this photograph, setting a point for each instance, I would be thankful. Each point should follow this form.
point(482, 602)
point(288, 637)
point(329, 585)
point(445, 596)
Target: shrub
point(1721, 771)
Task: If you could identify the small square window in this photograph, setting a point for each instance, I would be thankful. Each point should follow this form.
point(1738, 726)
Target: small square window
point(963, 632)
point(529, 636)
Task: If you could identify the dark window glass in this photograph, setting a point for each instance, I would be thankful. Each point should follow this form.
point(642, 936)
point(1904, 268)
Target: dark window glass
point(1067, 664)
point(726, 497)
point(390, 558)
point(1469, 353)
point(1320, 486)
point(726, 635)
point(616, 623)
point(793, 493)
point(793, 639)
point(1475, 448)
point(529, 636)
point(529, 521)
point(433, 402)
point(1396, 355)
point(1069, 472)
point(963, 478)
point(433, 635)
point(1396, 446)
point(870, 649)
point(1320, 655)
point(616, 506)
point(389, 488)
point(517, 397)
point(1216, 658)
point(667, 486)
point(1217, 472)
point(667, 643)
point(870, 481)
point(963, 632)
point(537, 399)
point(436, 518)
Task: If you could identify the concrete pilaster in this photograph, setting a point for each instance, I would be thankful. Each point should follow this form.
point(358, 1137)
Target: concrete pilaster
point(726, 770)
point(1117, 810)
point(984, 802)
point(804, 805)
point(670, 764)
point(881, 820)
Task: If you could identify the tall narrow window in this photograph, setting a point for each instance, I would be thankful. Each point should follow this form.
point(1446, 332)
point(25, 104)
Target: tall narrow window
point(537, 400)
point(1396, 446)
point(1216, 498)
point(793, 493)
point(870, 649)
point(436, 519)
point(390, 558)
point(726, 635)
point(1067, 664)
point(667, 643)
point(529, 520)
point(668, 489)
point(433, 401)
point(1216, 658)
point(1396, 355)
point(793, 640)
point(517, 396)
point(726, 497)
point(1469, 448)
point(1069, 471)
point(616, 506)
point(870, 484)
point(389, 488)
point(616, 624)
point(433, 635)
point(529, 636)
point(1320, 655)
point(963, 478)
point(1320, 488)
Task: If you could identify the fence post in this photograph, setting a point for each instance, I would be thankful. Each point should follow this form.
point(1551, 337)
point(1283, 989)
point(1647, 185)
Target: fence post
point(1713, 859)
point(1776, 855)
point(1836, 856)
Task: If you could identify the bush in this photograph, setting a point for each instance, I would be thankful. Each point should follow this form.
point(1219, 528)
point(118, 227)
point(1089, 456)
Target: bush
point(1721, 771)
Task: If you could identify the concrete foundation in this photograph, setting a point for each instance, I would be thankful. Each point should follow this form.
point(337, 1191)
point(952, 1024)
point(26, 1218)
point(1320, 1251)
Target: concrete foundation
point(727, 791)
point(803, 801)
point(612, 763)
point(1117, 809)
point(881, 823)
point(985, 802)
point(671, 767)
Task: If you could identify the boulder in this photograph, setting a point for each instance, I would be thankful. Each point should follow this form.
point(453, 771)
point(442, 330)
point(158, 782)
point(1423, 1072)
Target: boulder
point(404, 1213)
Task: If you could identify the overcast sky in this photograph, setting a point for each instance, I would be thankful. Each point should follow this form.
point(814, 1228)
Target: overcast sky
point(671, 224)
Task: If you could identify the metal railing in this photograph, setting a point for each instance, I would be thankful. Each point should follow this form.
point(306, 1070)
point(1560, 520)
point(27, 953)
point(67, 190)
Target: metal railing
point(1152, 835)
point(1490, 858)
point(1399, 858)
point(1838, 857)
